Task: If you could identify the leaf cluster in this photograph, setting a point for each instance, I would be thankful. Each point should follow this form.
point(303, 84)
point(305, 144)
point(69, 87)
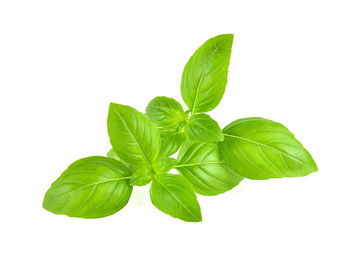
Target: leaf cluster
point(210, 160)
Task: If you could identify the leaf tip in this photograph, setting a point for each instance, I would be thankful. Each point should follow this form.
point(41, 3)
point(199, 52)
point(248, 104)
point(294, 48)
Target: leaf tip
point(226, 37)
point(199, 218)
point(46, 203)
point(195, 219)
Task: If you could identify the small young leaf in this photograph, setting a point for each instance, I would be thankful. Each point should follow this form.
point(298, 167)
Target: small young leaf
point(205, 75)
point(164, 164)
point(165, 112)
point(171, 141)
point(91, 187)
point(174, 195)
point(202, 164)
point(259, 148)
point(133, 137)
point(140, 176)
point(143, 175)
point(202, 127)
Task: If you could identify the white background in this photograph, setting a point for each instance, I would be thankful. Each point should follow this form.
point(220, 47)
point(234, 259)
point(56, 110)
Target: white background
point(62, 62)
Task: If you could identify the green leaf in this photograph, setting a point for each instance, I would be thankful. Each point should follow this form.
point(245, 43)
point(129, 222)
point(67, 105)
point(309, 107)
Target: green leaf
point(140, 176)
point(205, 75)
point(165, 112)
point(259, 148)
point(202, 164)
point(133, 137)
point(171, 141)
point(164, 164)
point(91, 187)
point(202, 127)
point(174, 195)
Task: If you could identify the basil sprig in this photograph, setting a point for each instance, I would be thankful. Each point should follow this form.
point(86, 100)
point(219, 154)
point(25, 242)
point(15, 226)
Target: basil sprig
point(211, 161)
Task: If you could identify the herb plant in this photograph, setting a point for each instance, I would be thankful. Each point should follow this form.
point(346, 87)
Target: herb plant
point(210, 161)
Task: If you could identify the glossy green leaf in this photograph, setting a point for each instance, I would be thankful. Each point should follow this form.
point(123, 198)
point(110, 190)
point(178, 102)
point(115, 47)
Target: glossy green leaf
point(133, 137)
point(91, 187)
point(202, 164)
point(174, 195)
point(205, 75)
point(165, 112)
point(259, 148)
point(171, 142)
point(164, 164)
point(202, 127)
point(140, 176)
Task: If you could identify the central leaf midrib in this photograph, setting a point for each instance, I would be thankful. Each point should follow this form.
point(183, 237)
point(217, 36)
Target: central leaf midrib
point(201, 78)
point(174, 196)
point(199, 163)
point(93, 184)
point(164, 110)
point(132, 135)
point(200, 81)
point(270, 147)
